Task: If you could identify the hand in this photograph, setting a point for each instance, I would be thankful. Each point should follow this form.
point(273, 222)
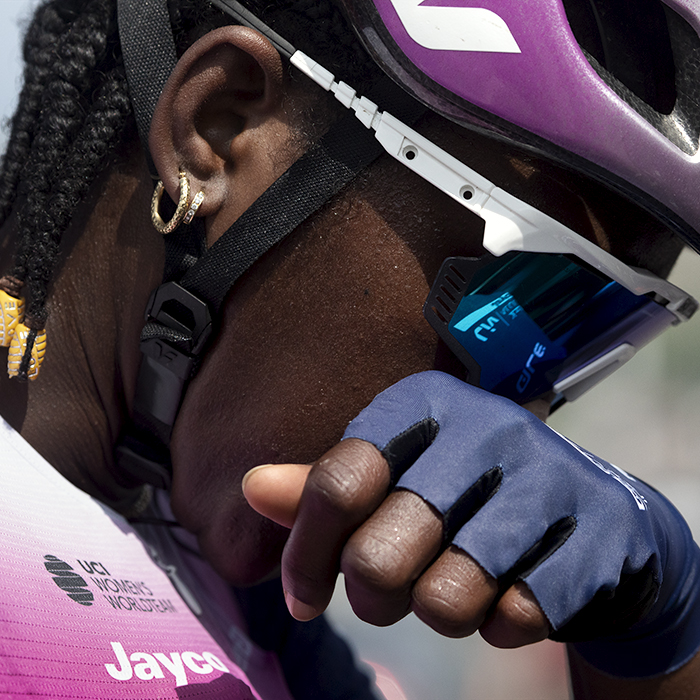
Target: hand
point(547, 523)
point(387, 573)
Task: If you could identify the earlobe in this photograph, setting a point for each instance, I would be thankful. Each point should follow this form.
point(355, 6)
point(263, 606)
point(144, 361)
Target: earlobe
point(220, 103)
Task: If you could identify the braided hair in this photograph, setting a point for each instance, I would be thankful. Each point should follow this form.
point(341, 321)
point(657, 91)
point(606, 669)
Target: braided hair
point(74, 111)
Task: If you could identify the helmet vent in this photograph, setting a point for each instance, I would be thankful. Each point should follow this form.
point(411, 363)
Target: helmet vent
point(649, 56)
point(630, 40)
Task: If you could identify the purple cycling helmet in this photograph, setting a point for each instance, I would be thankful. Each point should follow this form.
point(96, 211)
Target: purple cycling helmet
point(609, 88)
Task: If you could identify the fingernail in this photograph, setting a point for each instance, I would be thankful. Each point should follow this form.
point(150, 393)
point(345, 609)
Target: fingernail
point(298, 610)
point(248, 474)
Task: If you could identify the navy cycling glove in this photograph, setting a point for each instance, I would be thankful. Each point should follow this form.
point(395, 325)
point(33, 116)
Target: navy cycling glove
point(607, 557)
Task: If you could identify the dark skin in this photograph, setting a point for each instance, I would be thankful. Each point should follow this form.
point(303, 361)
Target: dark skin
point(308, 337)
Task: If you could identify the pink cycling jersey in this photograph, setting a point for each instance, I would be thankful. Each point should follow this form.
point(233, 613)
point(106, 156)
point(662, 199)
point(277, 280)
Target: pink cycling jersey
point(85, 612)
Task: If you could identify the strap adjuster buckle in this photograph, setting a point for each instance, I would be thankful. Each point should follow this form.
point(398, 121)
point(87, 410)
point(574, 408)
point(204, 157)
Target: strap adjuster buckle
point(175, 308)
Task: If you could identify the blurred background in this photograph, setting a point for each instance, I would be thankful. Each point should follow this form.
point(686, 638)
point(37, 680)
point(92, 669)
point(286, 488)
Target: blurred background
point(641, 419)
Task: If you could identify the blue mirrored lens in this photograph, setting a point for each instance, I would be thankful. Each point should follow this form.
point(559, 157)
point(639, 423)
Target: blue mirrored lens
point(526, 319)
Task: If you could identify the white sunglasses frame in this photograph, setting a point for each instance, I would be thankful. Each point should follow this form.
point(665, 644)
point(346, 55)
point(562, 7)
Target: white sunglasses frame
point(510, 223)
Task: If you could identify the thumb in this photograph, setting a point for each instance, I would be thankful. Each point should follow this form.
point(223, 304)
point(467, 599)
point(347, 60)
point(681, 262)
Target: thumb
point(274, 490)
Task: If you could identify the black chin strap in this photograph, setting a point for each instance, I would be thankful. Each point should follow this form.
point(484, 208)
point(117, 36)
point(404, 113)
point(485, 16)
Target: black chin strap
point(149, 55)
point(181, 312)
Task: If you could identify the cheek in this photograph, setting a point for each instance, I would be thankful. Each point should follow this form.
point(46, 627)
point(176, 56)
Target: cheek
point(309, 337)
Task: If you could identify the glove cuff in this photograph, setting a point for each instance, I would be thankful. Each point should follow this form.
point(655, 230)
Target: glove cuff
point(665, 644)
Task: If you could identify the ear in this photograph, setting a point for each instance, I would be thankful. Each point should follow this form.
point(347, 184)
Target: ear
point(220, 118)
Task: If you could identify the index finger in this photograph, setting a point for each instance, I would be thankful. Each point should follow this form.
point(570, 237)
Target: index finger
point(342, 490)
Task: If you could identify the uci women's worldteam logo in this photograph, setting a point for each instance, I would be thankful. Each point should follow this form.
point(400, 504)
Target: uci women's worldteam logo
point(68, 580)
point(90, 583)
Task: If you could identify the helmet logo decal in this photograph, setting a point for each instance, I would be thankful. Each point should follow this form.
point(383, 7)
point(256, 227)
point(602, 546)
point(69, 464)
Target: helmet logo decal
point(455, 28)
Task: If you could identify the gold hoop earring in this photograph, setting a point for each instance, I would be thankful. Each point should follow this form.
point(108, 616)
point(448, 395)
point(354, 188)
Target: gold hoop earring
point(196, 203)
point(182, 205)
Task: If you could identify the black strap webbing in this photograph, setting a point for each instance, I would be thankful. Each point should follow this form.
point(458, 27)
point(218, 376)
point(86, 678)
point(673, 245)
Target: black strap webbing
point(298, 193)
point(346, 149)
point(149, 55)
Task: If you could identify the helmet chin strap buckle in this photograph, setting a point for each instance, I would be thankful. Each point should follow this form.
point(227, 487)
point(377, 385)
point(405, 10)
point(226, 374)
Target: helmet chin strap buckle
point(176, 308)
point(178, 325)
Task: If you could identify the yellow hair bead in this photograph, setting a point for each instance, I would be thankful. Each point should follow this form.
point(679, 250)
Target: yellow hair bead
point(11, 314)
point(18, 347)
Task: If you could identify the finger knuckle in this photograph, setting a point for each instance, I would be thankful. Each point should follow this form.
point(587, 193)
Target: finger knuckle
point(445, 615)
point(376, 564)
point(523, 613)
point(338, 490)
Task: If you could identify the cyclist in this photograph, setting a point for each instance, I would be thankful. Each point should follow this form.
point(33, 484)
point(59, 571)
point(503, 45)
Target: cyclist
point(261, 346)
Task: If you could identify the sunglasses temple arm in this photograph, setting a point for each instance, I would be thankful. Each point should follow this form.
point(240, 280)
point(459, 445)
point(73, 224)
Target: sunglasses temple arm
point(510, 223)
